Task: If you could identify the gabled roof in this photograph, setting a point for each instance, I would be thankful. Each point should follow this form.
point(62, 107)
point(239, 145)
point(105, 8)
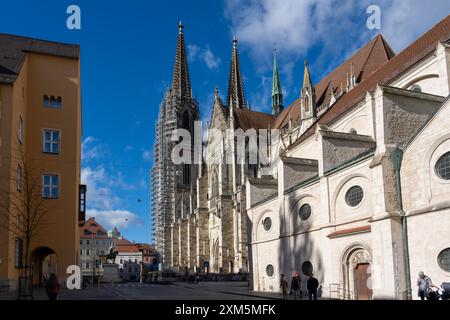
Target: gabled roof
point(247, 119)
point(417, 51)
point(365, 62)
point(14, 48)
point(124, 245)
point(91, 229)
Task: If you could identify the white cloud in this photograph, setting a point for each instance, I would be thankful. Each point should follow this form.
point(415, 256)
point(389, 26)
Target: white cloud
point(403, 21)
point(121, 219)
point(332, 29)
point(147, 155)
point(205, 54)
point(128, 148)
point(99, 193)
point(91, 149)
point(336, 25)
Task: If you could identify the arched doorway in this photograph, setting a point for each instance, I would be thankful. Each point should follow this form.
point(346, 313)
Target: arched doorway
point(45, 262)
point(357, 273)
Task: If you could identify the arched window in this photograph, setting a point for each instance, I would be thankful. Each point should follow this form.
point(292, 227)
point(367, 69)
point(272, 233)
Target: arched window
point(186, 174)
point(306, 104)
point(186, 121)
point(59, 102)
point(215, 184)
point(52, 102)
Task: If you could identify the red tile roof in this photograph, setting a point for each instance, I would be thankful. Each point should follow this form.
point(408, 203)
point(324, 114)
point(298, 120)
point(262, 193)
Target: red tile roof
point(248, 119)
point(365, 62)
point(132, 248)
point(417, 51)
point(91, 229)
point(124, 245)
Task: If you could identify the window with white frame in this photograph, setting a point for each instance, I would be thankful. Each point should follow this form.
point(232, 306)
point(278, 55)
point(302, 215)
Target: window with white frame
point(50, 186)
point(20, 130)
point(19, 178)
point(51, 141)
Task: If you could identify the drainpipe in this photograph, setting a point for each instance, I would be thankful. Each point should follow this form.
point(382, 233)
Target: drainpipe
point(396, 158)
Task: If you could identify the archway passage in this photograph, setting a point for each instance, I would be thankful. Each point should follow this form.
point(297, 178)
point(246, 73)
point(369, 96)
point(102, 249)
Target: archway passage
point(45, 262)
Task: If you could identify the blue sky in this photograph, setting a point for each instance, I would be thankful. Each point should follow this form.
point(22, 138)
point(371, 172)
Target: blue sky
point(127, 56)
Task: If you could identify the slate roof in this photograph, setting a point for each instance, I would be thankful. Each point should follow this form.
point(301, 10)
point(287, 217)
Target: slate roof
point(14, 48)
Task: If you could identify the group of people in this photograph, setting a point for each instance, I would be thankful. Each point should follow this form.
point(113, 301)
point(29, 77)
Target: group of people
point(312, 286)
point(424, 284)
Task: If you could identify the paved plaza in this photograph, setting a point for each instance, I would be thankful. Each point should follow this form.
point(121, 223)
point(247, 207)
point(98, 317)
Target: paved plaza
point(176, 291)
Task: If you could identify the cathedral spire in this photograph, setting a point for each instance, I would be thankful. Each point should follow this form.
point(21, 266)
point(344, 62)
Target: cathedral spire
point(236, 96)
point(277, 92)
point(181, 83)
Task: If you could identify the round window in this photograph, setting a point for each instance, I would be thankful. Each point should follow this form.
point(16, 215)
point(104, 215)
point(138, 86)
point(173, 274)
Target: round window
point(444, 260)
point(307, 268)
point(443, 166)
point(269, 270)
point(305, 212)
point(267, 223)
point(416, 88)
point(354, 196)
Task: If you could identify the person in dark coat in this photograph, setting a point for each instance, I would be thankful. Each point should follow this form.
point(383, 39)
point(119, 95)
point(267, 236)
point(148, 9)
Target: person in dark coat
point(296, 286)
point(52, 287)
point(284, 287)
point(312, 286)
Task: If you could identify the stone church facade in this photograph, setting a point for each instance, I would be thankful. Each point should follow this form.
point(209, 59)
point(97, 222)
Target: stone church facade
point(360, 196)
point(358, 189)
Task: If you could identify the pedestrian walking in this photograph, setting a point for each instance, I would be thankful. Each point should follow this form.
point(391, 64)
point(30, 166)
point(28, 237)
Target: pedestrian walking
point(52, 287)
point(312, 286)
point(425, 284)
point(296, 286)
point(284, 287)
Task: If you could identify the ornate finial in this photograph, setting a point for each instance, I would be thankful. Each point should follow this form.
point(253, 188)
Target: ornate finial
point(180, 27)
point(235, 42)
point(306, 62)
point(216, 93)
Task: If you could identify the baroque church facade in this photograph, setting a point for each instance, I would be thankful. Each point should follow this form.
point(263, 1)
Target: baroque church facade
point(358, 188)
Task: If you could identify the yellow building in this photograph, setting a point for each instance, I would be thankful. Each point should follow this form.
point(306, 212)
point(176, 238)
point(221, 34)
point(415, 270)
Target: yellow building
point(40, 149)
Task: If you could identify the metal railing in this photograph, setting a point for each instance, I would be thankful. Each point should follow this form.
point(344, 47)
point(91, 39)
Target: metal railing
point(337, 292)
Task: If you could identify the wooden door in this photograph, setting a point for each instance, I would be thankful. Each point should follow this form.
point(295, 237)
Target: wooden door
point(362, 275)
